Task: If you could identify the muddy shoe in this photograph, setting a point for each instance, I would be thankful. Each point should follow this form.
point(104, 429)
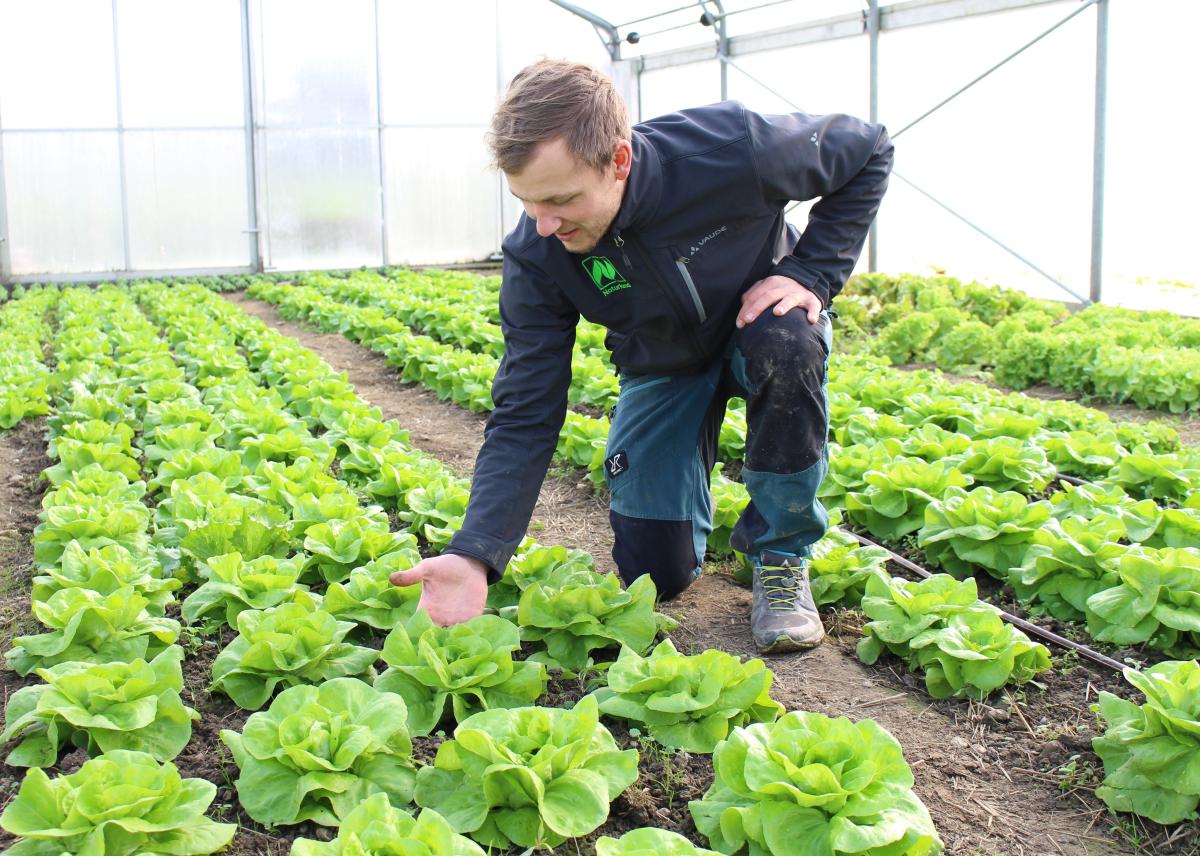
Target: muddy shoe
point(783, 616)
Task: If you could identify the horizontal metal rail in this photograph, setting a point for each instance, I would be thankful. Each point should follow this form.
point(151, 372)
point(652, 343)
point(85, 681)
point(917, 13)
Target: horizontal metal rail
point(1030, 628)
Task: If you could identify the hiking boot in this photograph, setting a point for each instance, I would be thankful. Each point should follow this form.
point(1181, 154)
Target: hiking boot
point(783, 616)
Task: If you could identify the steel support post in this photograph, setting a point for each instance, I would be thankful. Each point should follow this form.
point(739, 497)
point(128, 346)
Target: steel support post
point(873, 41)
point(251, 230)
point(383, 234)
point(1098, 149)
point(5, 257)
point(121, 141)
point(722, 47)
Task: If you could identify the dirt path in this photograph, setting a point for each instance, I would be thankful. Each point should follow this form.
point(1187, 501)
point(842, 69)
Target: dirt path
point(22, 458)
point(978, 768)
point(565, 514)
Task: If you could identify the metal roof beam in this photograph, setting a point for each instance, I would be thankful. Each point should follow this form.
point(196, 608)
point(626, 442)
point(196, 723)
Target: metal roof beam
point(896, 17)
point(606, 30)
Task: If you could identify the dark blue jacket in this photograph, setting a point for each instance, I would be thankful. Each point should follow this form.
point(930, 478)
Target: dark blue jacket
point(701, 220)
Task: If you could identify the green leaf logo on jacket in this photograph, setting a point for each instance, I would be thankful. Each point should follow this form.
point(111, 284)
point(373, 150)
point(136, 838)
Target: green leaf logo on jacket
point(605, 274)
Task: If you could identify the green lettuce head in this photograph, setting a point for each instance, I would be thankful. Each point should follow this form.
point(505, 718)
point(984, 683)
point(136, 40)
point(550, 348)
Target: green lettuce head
point(528, 777)
point(839, 787)
point(319, 751)
point(469, 665)
point(101, 707)
point(121, 804)
point(1151, 752)
point(377, 828)
point(688, 702)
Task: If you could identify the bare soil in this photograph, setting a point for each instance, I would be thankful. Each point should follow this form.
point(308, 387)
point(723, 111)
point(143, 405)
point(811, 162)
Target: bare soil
point(992, 774)
point(452, 434)
point(22, 459)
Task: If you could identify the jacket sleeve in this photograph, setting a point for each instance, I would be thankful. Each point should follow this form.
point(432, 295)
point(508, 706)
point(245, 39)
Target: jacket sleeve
point(843, 160)
point(530, 395)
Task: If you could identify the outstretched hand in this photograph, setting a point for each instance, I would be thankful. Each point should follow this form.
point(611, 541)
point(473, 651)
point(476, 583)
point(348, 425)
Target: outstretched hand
point(782, 292)
point(454, 588)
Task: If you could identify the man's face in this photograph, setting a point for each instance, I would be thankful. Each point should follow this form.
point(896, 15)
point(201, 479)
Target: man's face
point(569, 200)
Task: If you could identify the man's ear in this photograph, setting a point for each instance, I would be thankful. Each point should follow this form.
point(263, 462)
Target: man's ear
point(622, 159)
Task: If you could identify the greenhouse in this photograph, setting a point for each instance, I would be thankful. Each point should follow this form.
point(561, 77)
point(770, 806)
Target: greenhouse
point(763, 427)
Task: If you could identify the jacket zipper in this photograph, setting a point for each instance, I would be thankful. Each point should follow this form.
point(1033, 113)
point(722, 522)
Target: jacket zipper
point(620, 242)
point(682, 263)
point(692, 332)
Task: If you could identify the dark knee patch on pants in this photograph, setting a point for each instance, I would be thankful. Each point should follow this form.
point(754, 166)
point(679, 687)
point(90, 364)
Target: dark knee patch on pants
point(785, 360)
point(664, 549)
point(773, 344)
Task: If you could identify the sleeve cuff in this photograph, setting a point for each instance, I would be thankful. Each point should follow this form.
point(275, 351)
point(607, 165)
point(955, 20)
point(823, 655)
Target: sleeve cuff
point(790, 267)
point(492, 554)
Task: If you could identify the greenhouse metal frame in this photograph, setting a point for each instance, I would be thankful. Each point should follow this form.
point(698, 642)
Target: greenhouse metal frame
point(726, 47)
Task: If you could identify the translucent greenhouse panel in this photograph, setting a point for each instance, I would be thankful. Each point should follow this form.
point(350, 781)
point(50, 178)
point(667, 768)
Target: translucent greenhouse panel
point(323, 199)
point(187, 199)
point(671, 89)
point(444, 208)
point(465, 90)
point(1150, 194)
point(64, 202)
point(318, 62)
point(56, 64)
point(532, 29)
point(822, 77)
point(181, 63)
point(1013, 153)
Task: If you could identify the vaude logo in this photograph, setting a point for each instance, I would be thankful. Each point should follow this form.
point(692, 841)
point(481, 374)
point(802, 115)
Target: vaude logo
point(604, 274)
point(696, 247)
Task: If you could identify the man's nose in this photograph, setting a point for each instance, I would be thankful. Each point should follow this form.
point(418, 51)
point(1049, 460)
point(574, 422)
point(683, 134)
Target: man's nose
point(547, 225)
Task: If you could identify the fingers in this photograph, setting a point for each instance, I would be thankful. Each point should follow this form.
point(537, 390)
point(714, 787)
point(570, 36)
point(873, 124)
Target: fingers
point(755, 303)
point(408, 578)
point(782, 293)
point(809, 302)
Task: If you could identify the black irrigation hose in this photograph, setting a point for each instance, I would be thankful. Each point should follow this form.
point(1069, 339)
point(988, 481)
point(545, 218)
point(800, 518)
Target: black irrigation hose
point(1030, 628)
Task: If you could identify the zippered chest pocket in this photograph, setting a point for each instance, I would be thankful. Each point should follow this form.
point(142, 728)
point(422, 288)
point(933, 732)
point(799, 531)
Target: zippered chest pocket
point(682, 265)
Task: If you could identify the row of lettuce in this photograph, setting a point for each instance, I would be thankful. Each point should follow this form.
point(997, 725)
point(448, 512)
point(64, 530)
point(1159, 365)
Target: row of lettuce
point(962, 475)
point(1151, 359)
point(186, 542)
point(838, 567)
point(337, 734)
point(1070, 551)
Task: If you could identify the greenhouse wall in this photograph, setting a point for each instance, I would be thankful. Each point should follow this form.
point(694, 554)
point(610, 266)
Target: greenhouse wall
point(288, 134)
point(135, 150)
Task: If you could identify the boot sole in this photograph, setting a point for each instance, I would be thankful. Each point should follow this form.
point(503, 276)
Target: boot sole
point(786, 644)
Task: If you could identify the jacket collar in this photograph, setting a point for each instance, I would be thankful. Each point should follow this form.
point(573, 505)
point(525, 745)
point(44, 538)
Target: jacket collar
point(643, 188)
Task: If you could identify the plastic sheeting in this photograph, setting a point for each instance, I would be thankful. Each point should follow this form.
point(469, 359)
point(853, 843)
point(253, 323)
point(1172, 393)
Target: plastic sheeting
point(61, 189)
point(163, 44)
point(323, 199)
point(39, 86)
point(187, 199)
point(440, 209)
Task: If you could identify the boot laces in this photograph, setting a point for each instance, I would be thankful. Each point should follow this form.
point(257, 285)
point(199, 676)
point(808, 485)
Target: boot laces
point(780, 587)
